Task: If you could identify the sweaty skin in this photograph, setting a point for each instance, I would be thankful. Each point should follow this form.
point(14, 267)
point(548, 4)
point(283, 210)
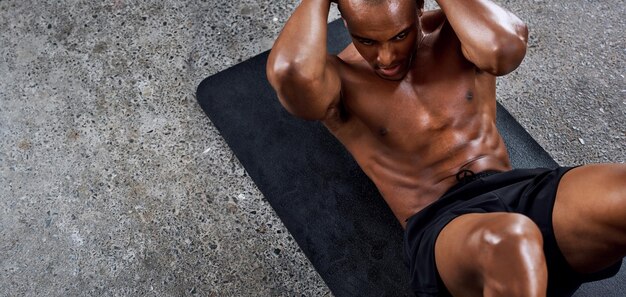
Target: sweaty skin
point(412, 136)
point(403, 98)
point(413, 100)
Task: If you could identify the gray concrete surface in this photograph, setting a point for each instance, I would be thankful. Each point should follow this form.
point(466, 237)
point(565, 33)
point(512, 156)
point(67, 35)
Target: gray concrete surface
point(114, 183)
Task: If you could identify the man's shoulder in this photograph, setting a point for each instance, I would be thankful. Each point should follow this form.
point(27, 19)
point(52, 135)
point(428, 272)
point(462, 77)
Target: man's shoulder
point(350, 65)
point(346, 60)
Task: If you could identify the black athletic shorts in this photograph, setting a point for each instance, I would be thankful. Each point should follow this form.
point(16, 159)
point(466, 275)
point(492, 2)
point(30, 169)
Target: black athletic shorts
point(526, 191)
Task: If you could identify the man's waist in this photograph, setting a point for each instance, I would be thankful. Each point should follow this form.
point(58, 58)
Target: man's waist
point(466, 176)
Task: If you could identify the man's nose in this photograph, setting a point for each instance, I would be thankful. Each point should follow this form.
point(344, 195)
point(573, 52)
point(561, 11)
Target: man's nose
point(386, 55)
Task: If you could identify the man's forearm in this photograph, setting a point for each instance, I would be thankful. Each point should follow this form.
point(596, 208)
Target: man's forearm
point(302, 42)
point(493, 38)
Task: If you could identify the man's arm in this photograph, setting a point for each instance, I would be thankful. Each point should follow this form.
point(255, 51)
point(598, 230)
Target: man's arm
point(299, 68)
point(492, 38)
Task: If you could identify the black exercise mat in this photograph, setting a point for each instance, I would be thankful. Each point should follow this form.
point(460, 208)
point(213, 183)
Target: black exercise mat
point(330, 207)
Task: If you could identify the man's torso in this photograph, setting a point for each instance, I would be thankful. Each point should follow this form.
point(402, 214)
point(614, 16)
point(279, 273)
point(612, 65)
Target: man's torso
point(412, 137)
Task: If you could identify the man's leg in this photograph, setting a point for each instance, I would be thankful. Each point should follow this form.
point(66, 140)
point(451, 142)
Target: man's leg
point(492, 254)
point(589, 216)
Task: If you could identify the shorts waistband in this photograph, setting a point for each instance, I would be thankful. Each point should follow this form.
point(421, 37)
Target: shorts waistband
point(466, 176)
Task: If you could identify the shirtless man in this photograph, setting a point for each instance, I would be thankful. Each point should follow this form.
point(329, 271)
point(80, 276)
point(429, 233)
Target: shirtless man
point(413, 100)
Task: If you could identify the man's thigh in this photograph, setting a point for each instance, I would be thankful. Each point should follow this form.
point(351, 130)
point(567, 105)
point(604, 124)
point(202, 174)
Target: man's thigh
point(589, 216)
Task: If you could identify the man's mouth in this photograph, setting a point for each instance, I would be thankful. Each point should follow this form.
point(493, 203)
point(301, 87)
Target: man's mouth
point(390, 71)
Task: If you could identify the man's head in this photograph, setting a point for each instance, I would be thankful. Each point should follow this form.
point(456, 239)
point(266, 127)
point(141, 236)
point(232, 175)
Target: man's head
point(384, 32)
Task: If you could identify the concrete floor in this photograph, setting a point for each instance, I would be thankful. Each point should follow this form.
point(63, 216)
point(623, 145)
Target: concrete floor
point(113, 182)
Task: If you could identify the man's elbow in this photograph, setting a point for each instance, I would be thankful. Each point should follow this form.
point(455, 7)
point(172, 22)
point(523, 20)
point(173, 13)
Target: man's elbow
point(291, 87)
point(291, 71)
point(508, 53)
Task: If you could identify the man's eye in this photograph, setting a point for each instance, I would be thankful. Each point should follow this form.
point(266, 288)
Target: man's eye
point(366, 41)
point(401, 36)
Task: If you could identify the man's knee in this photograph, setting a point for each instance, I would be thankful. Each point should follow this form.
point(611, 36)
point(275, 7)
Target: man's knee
point(509, 237)
point(509, 229)
point(494, 231)
point(512, 259)
point(495, 237)
point(501, 252)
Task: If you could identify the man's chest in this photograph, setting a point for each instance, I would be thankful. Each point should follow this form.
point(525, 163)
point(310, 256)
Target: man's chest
point(407, 116)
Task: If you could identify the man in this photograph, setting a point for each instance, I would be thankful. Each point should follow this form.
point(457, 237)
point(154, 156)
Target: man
point(413, 100)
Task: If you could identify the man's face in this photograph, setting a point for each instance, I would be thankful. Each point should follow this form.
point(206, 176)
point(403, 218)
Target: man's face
point(384, 34)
